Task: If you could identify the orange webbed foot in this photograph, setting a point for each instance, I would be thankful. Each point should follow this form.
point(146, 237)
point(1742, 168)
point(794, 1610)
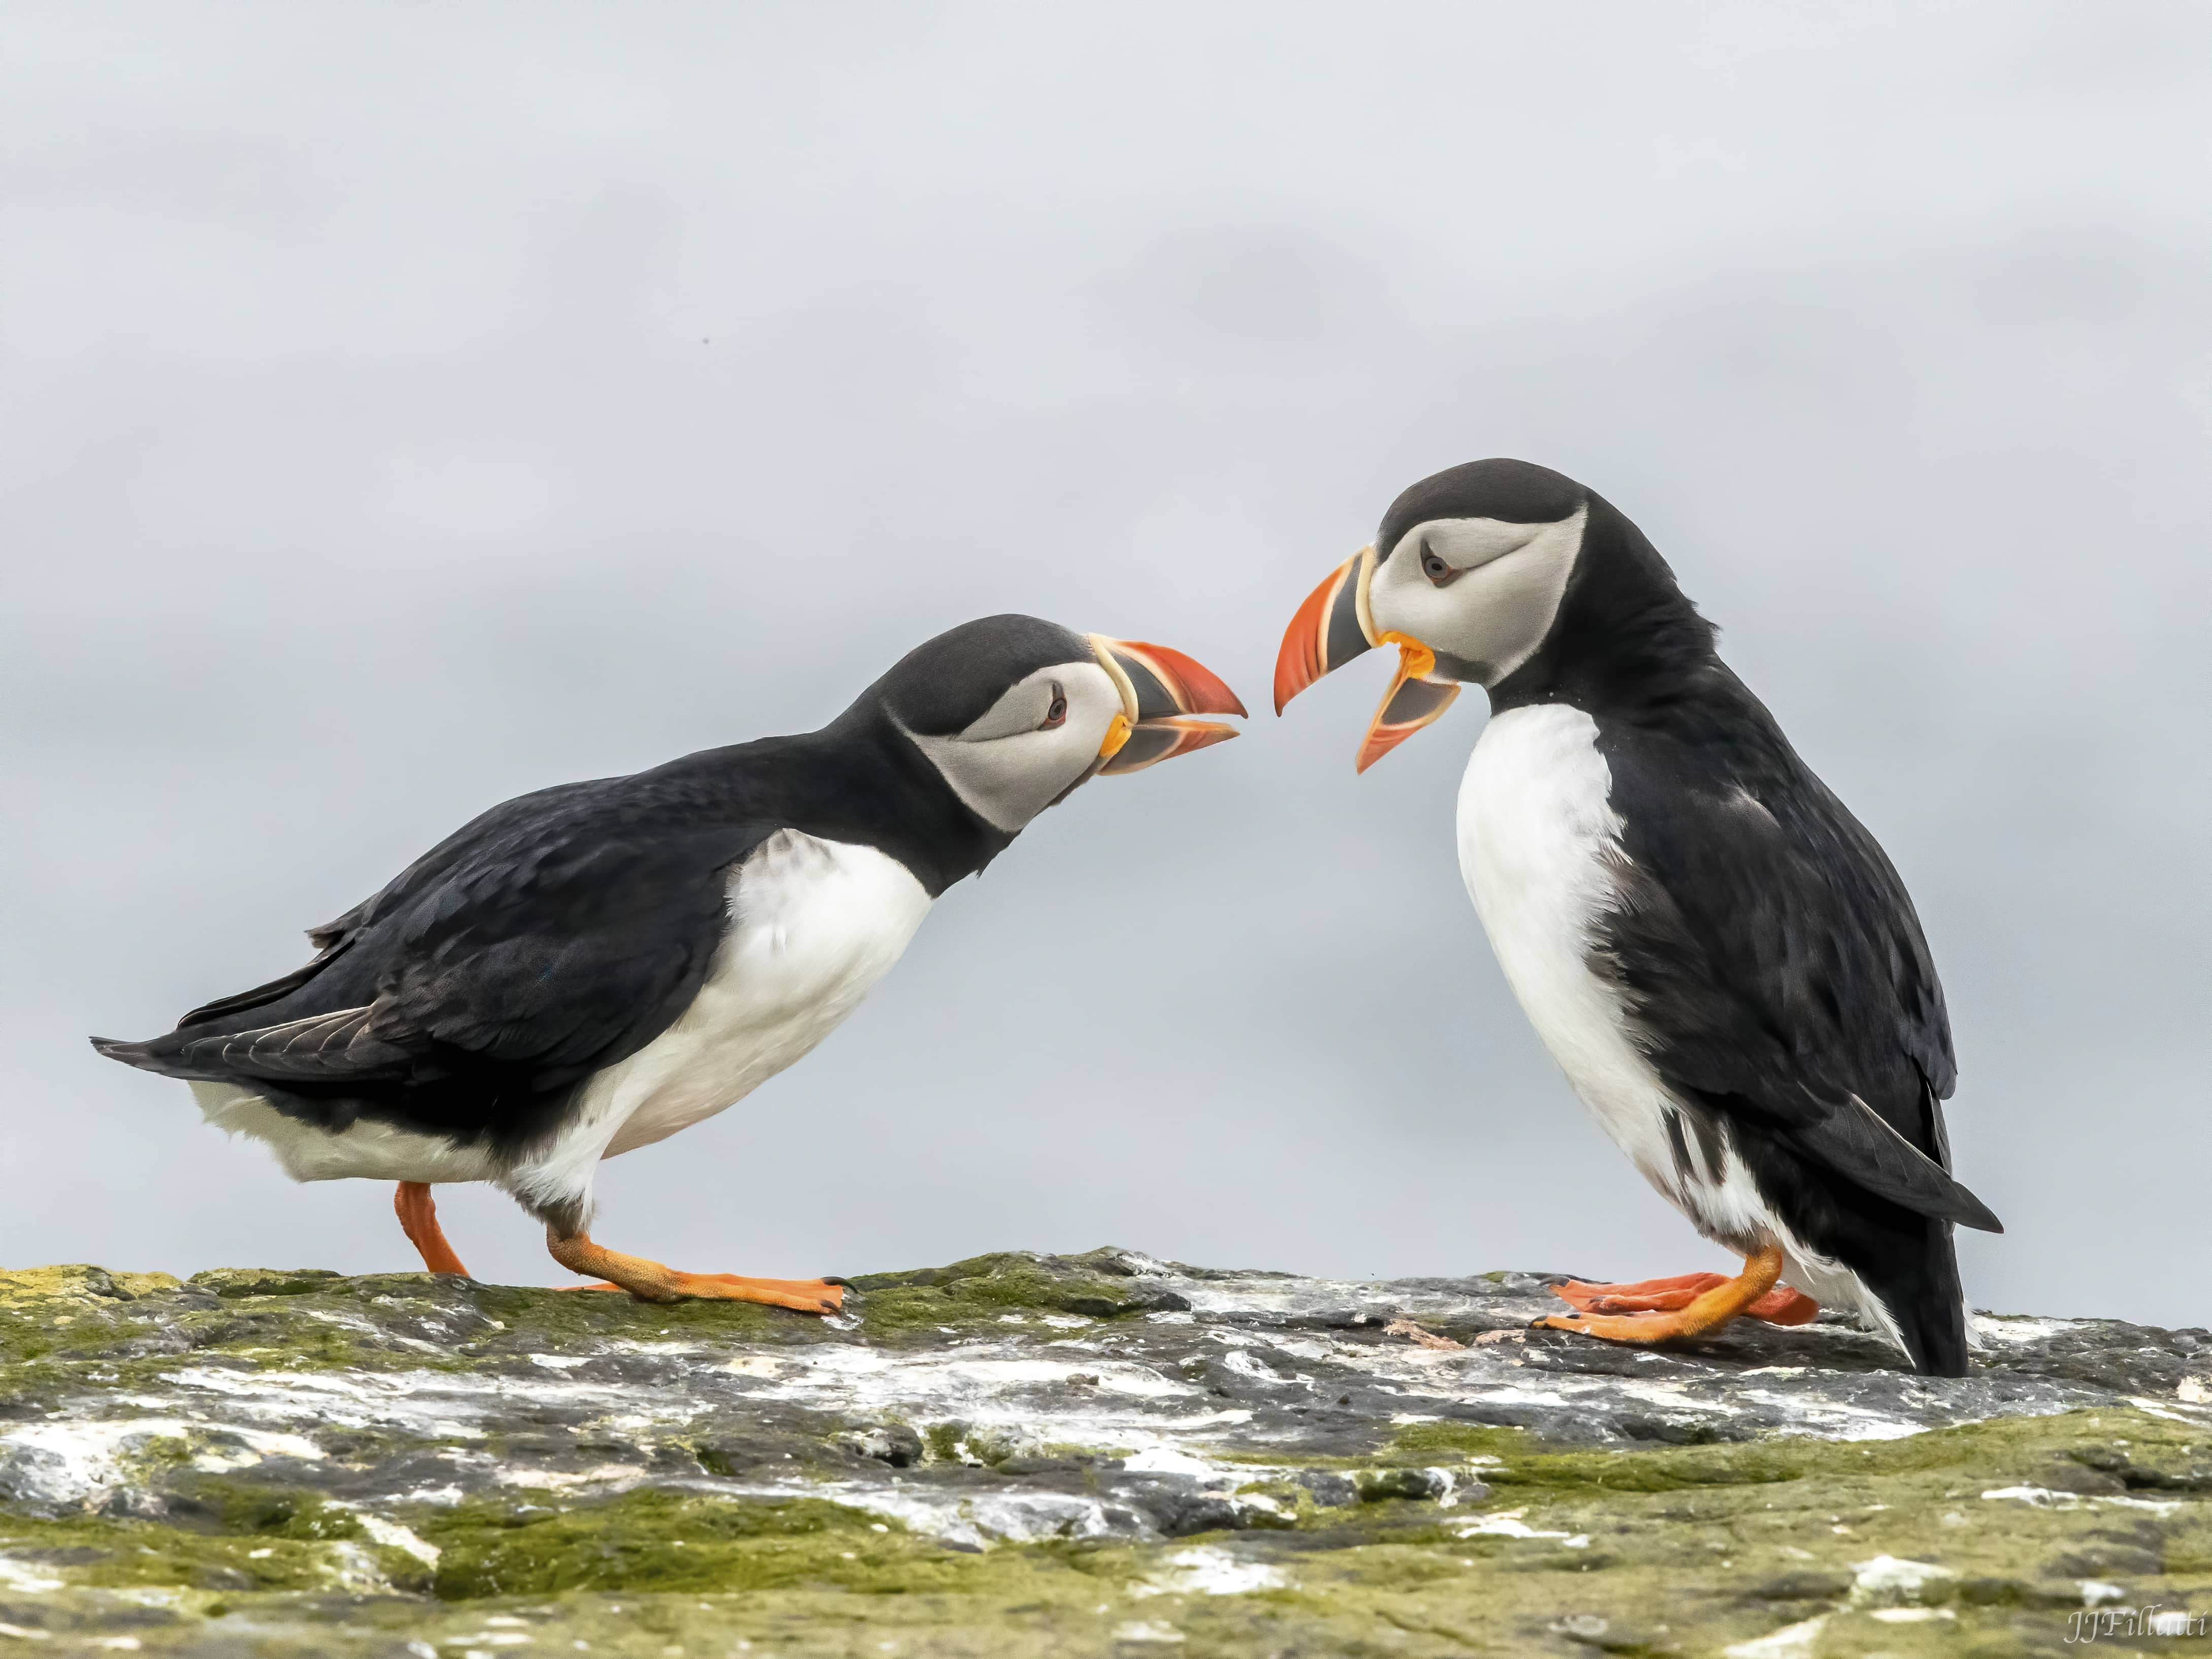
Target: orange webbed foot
point(1783, 1306)
point(654, 1281)
point(1645, 1296)
point(1686, 1305)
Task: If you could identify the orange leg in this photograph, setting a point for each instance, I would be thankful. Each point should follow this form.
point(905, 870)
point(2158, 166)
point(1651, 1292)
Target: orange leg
point(1780, 1306)
point(418, 1214)
point(1673, 1308)
point(649, 1281)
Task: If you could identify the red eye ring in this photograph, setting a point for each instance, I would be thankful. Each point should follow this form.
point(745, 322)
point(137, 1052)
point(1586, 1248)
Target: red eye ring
point(1057, 713)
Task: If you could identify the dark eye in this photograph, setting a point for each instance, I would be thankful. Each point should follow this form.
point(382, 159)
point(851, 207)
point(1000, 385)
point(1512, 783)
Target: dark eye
point(1436, 569)
point(1057, 713)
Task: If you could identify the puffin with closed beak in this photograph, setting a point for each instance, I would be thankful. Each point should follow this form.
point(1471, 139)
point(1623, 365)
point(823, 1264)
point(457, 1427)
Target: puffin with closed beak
point(591, 967)
point(1717, 954)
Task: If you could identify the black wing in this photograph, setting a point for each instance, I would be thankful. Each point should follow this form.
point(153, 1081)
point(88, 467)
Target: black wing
point(555, 935)
point(486, 830)
point(1777, 972)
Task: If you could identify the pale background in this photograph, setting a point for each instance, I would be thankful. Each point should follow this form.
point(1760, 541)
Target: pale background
point(402, 407)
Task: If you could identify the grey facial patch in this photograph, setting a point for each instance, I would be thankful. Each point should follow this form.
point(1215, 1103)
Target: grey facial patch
point(1023, 707)
point(1008, 765)
point(1489, 619)
point(1465, 543)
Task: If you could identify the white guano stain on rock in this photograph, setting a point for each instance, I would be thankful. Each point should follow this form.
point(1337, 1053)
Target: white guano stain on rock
point(1889, 1582)
point(1506, 1523)
point(1208, 1571)
point(392, 1535)
point(1835, 1419)
point(2010, 1329)
point(1160, 1458)
point(1790, 1642)
point(1144, 1632)
point(432, 1404)
point(25, 1577)
point(2042, 1498)
point(62, 1466)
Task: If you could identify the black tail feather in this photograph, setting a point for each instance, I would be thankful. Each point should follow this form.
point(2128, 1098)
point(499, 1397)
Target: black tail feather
point(1935, 1332)
point(1855, 1142)
point(156, 1054)
point(1920, 1289)
point(262, 995)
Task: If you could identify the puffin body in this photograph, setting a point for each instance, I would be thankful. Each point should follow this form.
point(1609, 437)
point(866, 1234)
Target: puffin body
point(1718, 955)
point(808, 925)
point(590, 968)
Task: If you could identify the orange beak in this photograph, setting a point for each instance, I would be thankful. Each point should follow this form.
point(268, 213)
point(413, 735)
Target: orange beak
point(1330, 628)
point(1161, 689)
point(1333, 627)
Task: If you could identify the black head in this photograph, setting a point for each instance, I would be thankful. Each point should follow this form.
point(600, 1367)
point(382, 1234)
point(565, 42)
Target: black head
point(1499, 572)
point(946, 684)
point(1500, 489)
point(1014, 712)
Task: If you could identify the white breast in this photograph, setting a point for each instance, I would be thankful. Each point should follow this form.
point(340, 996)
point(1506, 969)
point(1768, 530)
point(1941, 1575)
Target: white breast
point(1536, 834)
point(1539, 841)
point(813, 925)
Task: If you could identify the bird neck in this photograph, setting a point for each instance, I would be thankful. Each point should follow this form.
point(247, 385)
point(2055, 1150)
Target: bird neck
point(1627, 646)
point(859, 780)
point(871, 772)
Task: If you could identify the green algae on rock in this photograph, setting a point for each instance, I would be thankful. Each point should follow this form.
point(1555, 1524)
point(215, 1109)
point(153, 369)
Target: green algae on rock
point(1089, 1455)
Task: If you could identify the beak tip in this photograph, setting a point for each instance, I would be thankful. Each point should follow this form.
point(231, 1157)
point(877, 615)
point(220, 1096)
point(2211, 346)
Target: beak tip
point(1304, 657)
point(1153, 741)
point(1186, 683)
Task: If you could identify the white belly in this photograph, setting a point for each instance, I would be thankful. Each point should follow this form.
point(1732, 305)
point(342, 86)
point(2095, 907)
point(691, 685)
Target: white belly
point(813, 925)
point(1539, 841)
point(1536, 835)
point(367, 1150)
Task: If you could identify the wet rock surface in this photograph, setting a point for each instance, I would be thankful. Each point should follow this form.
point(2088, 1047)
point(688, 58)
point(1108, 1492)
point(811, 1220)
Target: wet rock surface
point(1099, 1453)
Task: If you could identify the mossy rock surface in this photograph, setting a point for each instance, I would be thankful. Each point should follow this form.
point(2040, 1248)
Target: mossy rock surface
point(1097, 1455)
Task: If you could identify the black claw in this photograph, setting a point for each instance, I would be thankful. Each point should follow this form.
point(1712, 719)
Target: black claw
point(832, 1278)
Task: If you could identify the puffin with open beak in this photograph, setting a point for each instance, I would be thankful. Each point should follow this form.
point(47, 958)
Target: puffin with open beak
point(1717, 954)
point(589, 968)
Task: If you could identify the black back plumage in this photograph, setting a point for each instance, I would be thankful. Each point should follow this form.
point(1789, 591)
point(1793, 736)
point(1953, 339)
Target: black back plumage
point(562, 930)
point(1775, 970)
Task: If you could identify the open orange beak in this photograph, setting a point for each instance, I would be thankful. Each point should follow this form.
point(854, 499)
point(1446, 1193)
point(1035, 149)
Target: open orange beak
point(1161, 689)
point(1333, 627)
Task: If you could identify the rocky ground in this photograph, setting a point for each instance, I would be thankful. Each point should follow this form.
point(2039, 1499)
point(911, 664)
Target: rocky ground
point(1087, 1455)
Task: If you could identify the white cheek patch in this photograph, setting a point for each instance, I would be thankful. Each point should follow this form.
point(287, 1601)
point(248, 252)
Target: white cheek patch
point(1497, 610)
point(1024, 707)
point(1463, 544)
point(1008, 769)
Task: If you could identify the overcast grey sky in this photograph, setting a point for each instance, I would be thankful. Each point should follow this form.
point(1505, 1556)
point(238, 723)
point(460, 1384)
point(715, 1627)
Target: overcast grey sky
point(402, 407)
